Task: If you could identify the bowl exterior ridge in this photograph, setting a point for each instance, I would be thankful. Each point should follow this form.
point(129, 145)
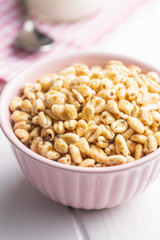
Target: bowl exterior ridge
point(87, 190)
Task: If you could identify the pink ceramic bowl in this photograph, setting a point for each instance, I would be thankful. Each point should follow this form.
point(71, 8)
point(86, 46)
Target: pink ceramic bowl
point(87, 188)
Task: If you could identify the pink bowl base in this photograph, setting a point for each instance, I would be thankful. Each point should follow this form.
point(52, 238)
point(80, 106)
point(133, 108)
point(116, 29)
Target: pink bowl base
point(86, 190)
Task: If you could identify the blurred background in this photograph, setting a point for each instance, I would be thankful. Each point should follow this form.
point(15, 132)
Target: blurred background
point(129, 27)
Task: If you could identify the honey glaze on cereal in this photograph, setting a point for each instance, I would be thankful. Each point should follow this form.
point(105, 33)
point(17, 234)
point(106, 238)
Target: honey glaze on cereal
point(90, 117)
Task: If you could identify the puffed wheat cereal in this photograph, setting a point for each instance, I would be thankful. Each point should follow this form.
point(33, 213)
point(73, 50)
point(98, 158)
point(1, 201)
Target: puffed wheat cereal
point(87, 163)
point(90, 117)
point(61, 146)
point(66, 159)
point(22, 134)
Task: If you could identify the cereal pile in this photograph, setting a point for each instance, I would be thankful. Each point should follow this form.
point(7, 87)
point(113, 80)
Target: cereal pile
point(90, 117)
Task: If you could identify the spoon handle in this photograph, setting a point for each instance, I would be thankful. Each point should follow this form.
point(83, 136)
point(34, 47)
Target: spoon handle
point(24, 8)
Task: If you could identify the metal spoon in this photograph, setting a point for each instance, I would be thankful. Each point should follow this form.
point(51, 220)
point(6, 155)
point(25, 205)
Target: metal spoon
point(29, 38)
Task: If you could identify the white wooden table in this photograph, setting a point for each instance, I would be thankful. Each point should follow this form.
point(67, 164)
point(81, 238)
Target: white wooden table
point(27, 214)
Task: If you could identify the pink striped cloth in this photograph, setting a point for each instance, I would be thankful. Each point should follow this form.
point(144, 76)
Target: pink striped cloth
point(86, 34)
